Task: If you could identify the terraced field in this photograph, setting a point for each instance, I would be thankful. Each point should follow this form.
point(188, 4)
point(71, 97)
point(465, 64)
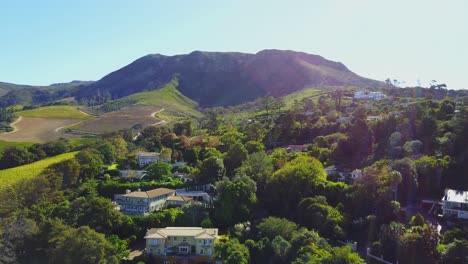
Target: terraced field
point(120, 119)
point(56, 112)
point(30, 129)
point(10, 176)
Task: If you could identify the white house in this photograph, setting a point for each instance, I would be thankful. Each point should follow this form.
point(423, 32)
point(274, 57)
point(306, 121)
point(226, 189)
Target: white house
point(181, 244)
point(143, 202)
point(373, 118)
point(361, 95)
point(455, 204)
point(356, 174)
point(184, 177)
point(334, 170)
point(147, 158)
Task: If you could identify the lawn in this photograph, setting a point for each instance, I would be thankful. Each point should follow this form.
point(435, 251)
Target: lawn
point(12, 175)
point(55, 112)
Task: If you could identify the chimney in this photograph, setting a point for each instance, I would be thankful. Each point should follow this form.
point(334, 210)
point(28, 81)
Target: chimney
point(139, 190)
point(127, 191)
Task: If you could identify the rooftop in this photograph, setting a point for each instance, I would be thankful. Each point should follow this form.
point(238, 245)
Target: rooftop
point(197, 232)
point(180, 198)
point(149, 194)
point(456, 196)
point(148, 154)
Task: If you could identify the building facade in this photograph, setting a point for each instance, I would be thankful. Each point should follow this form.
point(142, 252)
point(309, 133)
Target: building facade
point(179, 244)
point(147, 158)
point(143, 202)
point(455, 204)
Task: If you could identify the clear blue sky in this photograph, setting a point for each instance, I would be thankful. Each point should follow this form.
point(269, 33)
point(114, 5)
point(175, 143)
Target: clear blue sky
point(43, 42)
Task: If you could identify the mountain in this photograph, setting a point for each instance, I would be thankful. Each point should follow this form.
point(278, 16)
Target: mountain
point(224, 78)
point(71, 84)
point(11, 94)
point(6, 87)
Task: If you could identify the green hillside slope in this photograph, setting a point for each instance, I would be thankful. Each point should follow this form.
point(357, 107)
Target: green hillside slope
point(168, 97)
point(56, 111)
point(10, 176)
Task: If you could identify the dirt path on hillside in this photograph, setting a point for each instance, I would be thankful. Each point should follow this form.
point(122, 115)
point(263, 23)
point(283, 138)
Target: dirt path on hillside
point(13, 126)
point(154, 115)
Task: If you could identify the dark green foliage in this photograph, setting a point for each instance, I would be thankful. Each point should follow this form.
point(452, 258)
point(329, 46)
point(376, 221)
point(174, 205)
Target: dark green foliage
point(234, 158)
point(232, 252)
point(81, 245)
point(210, 170)
point(315, 213)
point(294, 181)
point(158, 171)
point(236, 200)
point(183, 128)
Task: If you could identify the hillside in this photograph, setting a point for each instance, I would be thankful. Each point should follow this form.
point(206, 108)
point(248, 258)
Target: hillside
point(224, 78)
point(55, 111)
point(10, 176)
point(168, 97)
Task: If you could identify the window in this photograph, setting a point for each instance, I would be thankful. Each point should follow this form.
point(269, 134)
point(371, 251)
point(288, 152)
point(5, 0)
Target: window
point(201, 251)
point(175, 239)
point(159, 251)
point(184, 239)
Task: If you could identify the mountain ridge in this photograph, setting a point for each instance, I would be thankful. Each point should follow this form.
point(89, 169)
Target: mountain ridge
point(225, 78)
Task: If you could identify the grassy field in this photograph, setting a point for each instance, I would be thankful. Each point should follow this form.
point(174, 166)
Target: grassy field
point(168, 97)
point(301, 95)
point(10, 176)
point(31, 129)
point(56, 112)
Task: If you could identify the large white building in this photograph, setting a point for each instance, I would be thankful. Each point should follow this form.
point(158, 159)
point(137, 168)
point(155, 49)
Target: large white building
point(147, 158)
point(143, 202)
point(361, 95)
point(181, 244)
point(455, 204)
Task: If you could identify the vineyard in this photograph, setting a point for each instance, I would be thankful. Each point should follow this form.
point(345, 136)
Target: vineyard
point(10, 176)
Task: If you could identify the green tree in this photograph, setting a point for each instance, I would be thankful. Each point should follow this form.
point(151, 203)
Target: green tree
point(210, 170)
point(315, 213)
point(272, 227)
point(191, 156)
point(236, 199)
point(455, 252)
point(108, 151)
point(255, 131)
point(254, 146)
point(90, 161)
point(158, 170)
point(183, 128)
point(81, 245)
point(232, 252)
point(234, 158)
point(301, 176)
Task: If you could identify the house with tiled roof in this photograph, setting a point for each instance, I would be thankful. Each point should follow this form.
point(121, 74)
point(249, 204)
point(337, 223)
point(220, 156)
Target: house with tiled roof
point(178, 200)
point(178, 244)
point(143, 202)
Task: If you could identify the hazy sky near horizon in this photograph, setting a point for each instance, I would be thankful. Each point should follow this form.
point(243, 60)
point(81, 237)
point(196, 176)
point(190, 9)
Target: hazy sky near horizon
point(47, 41)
